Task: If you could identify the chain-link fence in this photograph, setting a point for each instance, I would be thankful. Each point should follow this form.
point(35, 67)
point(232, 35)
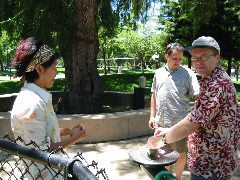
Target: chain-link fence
point(19, 160)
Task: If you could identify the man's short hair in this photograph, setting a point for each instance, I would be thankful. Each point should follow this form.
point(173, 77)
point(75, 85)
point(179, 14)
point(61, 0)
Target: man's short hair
point(172, 46)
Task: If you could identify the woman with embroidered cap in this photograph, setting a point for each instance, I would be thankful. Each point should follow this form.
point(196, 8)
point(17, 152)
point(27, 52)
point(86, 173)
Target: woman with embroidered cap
point(32, 116)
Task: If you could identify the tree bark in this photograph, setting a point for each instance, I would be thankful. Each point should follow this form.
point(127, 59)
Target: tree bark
point(229, 66)
point(1, 66)
point(237, 69)
point(83, 90)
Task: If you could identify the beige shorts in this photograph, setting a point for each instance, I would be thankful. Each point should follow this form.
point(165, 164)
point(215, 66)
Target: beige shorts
point(179, 146)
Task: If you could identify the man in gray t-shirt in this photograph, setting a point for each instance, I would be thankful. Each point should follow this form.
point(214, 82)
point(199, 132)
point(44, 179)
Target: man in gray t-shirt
point(172, 86)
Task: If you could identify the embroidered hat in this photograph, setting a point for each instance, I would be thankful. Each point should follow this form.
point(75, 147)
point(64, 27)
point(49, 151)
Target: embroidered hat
point(205, 41)
point(42, 56)
point(23, 60)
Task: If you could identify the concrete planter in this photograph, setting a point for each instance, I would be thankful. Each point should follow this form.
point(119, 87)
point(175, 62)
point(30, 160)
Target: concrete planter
point(100, 127)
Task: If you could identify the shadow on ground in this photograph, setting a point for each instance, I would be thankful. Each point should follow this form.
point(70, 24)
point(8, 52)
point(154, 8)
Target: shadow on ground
point(113, 156)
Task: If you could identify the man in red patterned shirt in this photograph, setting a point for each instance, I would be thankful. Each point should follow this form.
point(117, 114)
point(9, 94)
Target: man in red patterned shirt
point(213, 125)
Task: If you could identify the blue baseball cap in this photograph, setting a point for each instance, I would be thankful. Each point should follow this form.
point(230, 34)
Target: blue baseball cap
point(204, 41)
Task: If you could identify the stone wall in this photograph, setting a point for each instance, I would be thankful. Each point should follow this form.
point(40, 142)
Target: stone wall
point(7, 101)
point(110, 98)
point(99, 127)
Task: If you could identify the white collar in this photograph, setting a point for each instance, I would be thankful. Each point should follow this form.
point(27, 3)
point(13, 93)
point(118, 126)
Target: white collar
point(43, 93)
point(171, 71)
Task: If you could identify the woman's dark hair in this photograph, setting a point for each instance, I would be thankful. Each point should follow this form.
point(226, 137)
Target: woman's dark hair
point(26, 50)
point(33, 75)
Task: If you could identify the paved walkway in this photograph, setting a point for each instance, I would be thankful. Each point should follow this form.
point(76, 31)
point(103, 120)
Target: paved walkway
point(113, 156)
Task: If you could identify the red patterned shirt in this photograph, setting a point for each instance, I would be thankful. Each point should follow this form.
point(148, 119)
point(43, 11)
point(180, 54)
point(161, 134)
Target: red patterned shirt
point(213, 147)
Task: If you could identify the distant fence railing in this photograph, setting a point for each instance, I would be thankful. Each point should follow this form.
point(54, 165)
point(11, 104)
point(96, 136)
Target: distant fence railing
point(116, 62)
point(20, 161)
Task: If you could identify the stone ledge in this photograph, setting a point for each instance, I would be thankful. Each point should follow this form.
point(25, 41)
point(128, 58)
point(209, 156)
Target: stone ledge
point(100, 127)
point(110, 98)
point(110, 126)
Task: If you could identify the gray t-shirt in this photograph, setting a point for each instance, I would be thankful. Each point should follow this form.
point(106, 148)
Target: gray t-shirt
point(172, 91)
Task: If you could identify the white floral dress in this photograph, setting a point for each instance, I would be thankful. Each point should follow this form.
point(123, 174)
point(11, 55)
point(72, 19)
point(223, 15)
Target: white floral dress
point(33, 118)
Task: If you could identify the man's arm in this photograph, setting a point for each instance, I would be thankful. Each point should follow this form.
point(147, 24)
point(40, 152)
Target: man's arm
point(179, 131)
point(152, 122)
point(153, 105)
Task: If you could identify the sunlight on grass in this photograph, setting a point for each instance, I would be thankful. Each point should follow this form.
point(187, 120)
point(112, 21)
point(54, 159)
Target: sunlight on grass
point(237, 86)
point(113, 82)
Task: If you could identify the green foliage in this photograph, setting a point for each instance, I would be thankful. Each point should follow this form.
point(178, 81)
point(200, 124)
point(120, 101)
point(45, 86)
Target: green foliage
point(70, 28)
point(224, 63)
point(237, 86)
point(176, 23)
point(107, 19)
point(50, 21)
point(59, 85)
point(4, 73)
point(8, 87)
point(6, 49)
point(115, 82)
point(125, 82)
point(185, 20)
point(140, 45)
point(131, 11)
point(54, 22)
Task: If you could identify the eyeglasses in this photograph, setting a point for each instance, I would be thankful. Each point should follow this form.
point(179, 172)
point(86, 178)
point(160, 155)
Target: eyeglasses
point(201, 58)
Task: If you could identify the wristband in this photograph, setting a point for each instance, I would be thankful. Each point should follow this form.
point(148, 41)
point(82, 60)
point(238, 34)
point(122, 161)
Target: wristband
point(164, 140)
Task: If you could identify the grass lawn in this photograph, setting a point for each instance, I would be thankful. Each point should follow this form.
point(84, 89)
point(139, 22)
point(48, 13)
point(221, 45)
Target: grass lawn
point(237, 86)
point(113, 82)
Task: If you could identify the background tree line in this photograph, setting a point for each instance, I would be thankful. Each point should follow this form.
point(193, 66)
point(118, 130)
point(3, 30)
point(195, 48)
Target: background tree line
point(82, 30)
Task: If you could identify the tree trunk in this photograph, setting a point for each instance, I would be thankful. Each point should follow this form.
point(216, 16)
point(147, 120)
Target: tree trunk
point(1, 66)
point(140, 59)
point(83, 90)
point(229, 66)
point(104, 61)
point(237, 69)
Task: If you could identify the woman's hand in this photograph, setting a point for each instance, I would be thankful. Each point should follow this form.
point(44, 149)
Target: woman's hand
point(65, 131)
point(78, 133)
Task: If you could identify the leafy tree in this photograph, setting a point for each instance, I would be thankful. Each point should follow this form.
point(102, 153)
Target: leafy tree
point(188, 19)
point(158, 43)
point(6, 51)
point(72, 27)
point(136, 45)
point(237, 65)
point(109, 47)
point(141, 45)
point(3, 50)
